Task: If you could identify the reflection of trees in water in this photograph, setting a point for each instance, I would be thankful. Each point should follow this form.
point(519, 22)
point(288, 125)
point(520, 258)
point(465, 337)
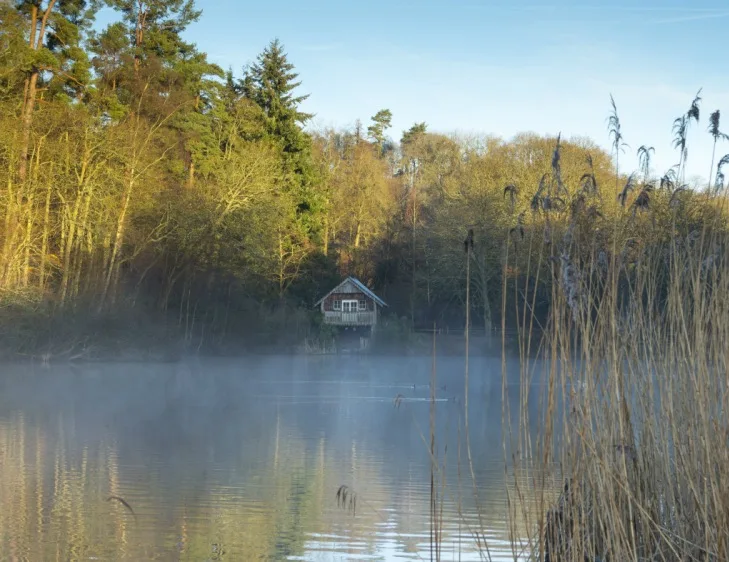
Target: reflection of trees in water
point(219, 469)
point(52, 497)
point(54, 502)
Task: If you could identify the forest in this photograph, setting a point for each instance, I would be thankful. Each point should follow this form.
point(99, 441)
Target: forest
point(149, 195)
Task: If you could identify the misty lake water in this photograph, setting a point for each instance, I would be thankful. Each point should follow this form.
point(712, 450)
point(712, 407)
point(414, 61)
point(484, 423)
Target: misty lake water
point(242, 459)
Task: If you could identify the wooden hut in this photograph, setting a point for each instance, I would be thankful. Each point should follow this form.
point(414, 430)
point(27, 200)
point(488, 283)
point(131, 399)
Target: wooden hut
point(351, 304)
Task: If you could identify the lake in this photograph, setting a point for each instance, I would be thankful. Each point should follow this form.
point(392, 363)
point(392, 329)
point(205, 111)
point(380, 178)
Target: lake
point(242, 459)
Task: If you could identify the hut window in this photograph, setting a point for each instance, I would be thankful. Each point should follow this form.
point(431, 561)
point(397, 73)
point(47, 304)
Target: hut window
point(337, 305)
point(363, 305)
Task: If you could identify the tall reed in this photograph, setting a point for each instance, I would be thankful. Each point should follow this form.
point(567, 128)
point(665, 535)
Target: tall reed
point(633, 416)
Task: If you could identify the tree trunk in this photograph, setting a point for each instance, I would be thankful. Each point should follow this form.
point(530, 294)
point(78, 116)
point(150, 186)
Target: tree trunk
point(326, 235)
point(44, 242)
point(105, 257)
point(82, 235)
point(25, 141)
point(35, 42)
point(170, 282)
point(72, 229)
point(28, 239)
point(11, 225)
point(357, 234)
point(30, 214)
point(114, 289)
point(27, 122)
point(76, 267)
point(141, 279)
point(118, 239)
point(191, 174)
point(139, 36)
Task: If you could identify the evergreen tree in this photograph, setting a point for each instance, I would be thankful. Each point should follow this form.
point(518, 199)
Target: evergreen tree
point(409, 136)
point(66, 35)
point(140, 55)
point(14, 55)
point(380, 123)
point(54, 59)
point(112, 52)
point(154, 26)
point(145, 56)
point(270, 82)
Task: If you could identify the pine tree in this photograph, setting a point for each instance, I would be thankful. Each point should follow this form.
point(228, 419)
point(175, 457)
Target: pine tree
point(139, 56)
point(112, 52)
point(413, 133)
point(381, 121)
point(55, 59)
point(144, 56)
point(154, 26)
point(14, 55)
point(65, 40)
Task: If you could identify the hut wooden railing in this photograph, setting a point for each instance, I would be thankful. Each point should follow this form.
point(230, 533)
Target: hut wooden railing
point(349, 318)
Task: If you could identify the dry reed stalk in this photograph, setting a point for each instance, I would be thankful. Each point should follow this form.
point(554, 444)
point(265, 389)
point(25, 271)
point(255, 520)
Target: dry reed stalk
point(634, 411)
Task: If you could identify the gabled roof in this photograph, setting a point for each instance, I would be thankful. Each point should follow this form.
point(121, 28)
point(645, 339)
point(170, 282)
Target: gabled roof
point(361, 286)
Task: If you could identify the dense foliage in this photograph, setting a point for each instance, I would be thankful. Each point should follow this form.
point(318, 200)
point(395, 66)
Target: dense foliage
point(139, 180)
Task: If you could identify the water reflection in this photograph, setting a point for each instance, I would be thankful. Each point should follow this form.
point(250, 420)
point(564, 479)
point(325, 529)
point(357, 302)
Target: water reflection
point(241, 460)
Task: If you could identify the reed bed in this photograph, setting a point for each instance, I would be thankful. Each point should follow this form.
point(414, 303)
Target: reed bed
point(634, 357)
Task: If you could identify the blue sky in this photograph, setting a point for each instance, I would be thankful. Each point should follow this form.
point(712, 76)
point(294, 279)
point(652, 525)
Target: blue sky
point(496, 67)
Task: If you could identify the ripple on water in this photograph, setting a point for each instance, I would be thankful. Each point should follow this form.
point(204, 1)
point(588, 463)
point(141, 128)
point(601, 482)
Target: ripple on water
point(225, 461)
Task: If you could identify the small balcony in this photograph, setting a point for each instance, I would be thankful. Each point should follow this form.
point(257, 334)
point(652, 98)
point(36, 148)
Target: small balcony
point(339, 318)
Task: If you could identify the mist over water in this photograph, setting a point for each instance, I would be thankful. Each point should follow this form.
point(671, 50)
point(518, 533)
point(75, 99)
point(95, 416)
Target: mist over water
point(242, 459)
